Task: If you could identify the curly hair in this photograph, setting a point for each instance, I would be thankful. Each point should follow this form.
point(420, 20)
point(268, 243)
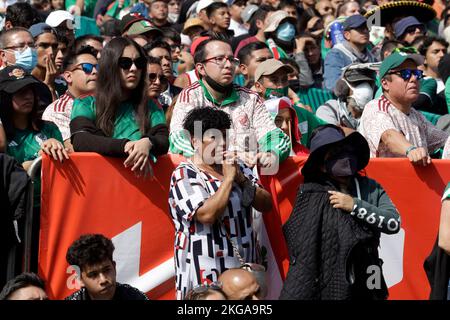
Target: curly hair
point(210, 118)
point(90, 249)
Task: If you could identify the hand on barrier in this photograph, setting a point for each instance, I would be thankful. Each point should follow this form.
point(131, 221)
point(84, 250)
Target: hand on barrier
point(419, 156)
point(55, 149)
point(341, 200)
point(138, 152)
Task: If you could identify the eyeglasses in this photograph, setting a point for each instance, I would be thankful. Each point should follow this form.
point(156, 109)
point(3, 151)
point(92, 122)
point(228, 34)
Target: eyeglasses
point(86, 67)
point(125, 63)
point(410, 50)
point(221, 60)
point(22, 47)
point(153, 76)
point(46, 45)
point(412, 29)
point(406, 74)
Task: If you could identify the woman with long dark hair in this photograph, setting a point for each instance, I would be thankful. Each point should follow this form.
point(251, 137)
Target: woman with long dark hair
point(120, 120)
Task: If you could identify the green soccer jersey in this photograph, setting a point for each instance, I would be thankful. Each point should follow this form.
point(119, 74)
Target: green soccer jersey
point(26, 144)
point(125, 125)
point(89, 6)
point(307, 122)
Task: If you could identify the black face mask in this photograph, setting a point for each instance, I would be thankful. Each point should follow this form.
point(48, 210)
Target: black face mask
point(343, 165)
point(294, 85)
point(217, 86)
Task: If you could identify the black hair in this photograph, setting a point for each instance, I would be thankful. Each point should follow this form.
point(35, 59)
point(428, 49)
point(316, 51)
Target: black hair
point(210, 118)
point(389, 46)
point(193, 294)
point(213, 7)
point(172, 34)
point(111, 28)
point(292, 63)
point(22, 14)
point(6, 112)
point(444, 67)
point(200, 52)
point(428, 41)
point(153, 60)
point(90, 249)
point(73, 54)
point(21, 281)
point(109, 90)
point(157, 44)
point(261, 15)
point(81, 41)
point(287, 3)
point(246, 51)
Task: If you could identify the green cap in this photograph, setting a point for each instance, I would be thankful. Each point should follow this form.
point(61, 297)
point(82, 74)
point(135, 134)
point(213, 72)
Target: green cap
point(141, 27)
point(396, 59)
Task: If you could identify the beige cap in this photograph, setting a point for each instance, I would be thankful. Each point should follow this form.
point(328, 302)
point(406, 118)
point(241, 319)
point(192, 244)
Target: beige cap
point(270, 66)
point(193, 22)
point(274, 20)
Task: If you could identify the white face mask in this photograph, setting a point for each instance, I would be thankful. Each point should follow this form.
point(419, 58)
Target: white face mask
point(362, 94)
point(173, 17)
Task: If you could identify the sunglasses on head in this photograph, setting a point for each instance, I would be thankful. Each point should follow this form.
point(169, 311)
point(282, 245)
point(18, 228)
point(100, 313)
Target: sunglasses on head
point(125, 63)
point(205, 287)
point(86, 67)
point(406, 74)
point(153, 76)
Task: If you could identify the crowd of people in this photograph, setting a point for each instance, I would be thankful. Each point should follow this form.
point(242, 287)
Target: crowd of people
point(236, 87)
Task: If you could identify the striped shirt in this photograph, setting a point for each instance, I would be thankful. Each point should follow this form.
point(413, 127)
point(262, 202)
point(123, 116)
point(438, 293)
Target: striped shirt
point(59, 112)
point(381, 115)
point(201, 251)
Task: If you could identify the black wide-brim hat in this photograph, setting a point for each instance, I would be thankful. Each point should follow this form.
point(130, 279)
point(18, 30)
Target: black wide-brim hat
point(330, 136)
point(422, 10)
point(14, 78)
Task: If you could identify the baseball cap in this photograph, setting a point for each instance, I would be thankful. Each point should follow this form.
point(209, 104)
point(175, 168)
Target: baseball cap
point(57, 17)
point(40, 28)
point(403, 24)
point(248, 12)
point(275, 19)
point(396, 59)
point(14, 78)
point(203, 4)
point(354, 22)
point(141, 27)
point(128, 20)
point(270, 66)
point(192, 22)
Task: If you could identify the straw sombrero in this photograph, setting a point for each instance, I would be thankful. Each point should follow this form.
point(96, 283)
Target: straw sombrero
point(422, 10)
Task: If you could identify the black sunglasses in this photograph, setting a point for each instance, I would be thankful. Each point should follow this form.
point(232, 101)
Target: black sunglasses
point(153, 76)
point(125, 63)
point(86, 67)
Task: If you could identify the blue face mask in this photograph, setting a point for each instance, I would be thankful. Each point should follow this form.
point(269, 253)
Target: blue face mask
point(26, 59)
point(286, 32)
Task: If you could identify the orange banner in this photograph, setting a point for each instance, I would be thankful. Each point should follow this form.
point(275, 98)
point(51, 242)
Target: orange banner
point(94, 194)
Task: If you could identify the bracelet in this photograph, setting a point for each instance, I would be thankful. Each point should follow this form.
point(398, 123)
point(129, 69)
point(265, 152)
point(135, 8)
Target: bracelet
point(411, 148)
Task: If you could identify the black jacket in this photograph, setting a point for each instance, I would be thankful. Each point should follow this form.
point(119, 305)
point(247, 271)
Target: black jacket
point(123, 292)
point(13, 194)
point(329, 251)
point(437, 268)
